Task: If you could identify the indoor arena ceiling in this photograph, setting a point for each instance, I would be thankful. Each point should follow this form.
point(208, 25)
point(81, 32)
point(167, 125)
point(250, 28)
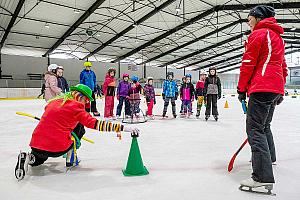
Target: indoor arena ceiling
point(191, 34)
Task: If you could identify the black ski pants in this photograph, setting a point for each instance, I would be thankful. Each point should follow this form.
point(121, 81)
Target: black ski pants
point(40, 156)
point(212, 104)
point(259, 116)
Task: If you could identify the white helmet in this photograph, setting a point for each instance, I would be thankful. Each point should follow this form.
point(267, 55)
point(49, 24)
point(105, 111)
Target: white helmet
point(203, 72)
point(52, 67)
point(60, 67)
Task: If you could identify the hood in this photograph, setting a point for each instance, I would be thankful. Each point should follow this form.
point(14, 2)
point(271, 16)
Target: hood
point(269, 23)
point(48, 74)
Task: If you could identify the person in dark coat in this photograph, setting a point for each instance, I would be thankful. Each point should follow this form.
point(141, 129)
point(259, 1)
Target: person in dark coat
point(61, 81)
point(212, 91)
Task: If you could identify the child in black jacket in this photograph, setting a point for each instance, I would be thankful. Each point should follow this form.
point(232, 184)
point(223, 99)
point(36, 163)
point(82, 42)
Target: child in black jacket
point(212, 92)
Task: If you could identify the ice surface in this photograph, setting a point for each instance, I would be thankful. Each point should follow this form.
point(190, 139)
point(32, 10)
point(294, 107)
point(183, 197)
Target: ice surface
point(186, 158)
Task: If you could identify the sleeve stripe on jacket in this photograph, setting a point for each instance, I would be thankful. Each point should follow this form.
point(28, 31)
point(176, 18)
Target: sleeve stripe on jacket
point(269, 54)
point(108, 126)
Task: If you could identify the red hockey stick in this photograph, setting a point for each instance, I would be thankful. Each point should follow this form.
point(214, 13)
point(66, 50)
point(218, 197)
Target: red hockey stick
point(230, 165)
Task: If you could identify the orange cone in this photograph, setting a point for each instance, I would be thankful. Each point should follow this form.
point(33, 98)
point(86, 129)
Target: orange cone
point(226, 104)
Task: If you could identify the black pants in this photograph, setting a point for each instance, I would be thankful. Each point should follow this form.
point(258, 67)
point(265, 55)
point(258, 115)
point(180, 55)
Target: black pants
point(123, 100)
point(259, 116)
point(212, 103)
point(93, 105)
point(166, 104)
point(40, 156)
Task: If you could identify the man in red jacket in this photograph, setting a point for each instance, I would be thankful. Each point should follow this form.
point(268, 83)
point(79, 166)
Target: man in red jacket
point(262, 76)
point(52, 137)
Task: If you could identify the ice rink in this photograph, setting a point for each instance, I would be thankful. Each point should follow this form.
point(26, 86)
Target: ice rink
point(186, 158)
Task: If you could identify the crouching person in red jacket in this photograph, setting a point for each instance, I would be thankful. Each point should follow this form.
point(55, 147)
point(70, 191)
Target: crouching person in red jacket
point(262, 76)
point(61, 127)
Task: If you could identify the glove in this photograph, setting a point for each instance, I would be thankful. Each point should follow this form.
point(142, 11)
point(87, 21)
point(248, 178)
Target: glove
point(204, 98)
point(118, 97)
point(192, 98)
point(163, 96)
point(176, 95)
point(278, 100)
point(148, 99)
point(134, 131)
point(219, 97)
point(154, 101)
point(242, 96)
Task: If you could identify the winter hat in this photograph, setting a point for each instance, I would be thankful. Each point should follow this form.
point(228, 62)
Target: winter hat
point(203, 72)
point(125, 75)
point(135, 78)
point(87, 64)
point(149, 78)
point(60, 67)
point(213, 68)
point(170, 74)
point(188, 76)
point(262, 12)
point(52, 67)
point(83, 89)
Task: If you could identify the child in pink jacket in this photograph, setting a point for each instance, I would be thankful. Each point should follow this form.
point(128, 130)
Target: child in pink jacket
point(51, 89)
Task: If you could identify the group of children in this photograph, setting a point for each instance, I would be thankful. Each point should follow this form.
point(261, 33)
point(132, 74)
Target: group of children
point(207, 92)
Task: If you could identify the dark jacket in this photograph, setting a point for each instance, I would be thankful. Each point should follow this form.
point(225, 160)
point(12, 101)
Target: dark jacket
point(212, 82)
point(62, 84)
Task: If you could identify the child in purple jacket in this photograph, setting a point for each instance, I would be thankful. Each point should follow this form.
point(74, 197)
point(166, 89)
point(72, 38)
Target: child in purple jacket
point(150, 96)
point(122, 96)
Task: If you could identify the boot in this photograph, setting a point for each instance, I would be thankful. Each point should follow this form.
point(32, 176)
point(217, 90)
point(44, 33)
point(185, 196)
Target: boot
point(206, 117)
point(216, 117)
point(22, 165)
point(198, 113)
point(164, 114)
point(71, 159)
point(174, 115)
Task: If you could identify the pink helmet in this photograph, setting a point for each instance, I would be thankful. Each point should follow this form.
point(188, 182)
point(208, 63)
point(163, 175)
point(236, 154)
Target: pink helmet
point(125, 75)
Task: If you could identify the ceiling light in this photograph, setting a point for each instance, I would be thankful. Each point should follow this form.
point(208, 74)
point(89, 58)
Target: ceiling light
point(47, 25)
point(293, 28)
point(76, 11)
point(178, 10)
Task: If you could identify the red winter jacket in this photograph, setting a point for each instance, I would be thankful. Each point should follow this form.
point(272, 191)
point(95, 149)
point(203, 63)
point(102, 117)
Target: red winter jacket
point(263, 66)
point(109, 85)
point(53, 133)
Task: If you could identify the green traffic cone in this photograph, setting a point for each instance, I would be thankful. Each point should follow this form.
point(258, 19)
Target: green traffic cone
point(135, 166)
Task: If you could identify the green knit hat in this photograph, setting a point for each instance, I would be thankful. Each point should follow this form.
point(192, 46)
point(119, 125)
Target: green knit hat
point(83, 89)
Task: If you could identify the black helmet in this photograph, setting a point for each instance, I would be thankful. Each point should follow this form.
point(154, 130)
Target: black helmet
point(262, 12)
point(170, 74)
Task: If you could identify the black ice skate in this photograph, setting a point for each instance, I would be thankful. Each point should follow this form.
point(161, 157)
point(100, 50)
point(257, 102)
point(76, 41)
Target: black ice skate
point(198, 114)
point(22, 165)
point(207, 117)
point(216, 117)
point(250, 185)
point(174, 115)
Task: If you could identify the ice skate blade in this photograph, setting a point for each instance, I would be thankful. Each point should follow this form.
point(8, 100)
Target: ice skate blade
point(250, 189)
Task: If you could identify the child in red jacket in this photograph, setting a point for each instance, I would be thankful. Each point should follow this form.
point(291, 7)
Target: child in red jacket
point(64, 116)
point(200, 92)
point(109, 87)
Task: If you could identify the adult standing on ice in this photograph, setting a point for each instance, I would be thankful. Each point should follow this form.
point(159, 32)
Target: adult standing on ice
point(262, 76)
point(51, 88)
point(88, 78)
